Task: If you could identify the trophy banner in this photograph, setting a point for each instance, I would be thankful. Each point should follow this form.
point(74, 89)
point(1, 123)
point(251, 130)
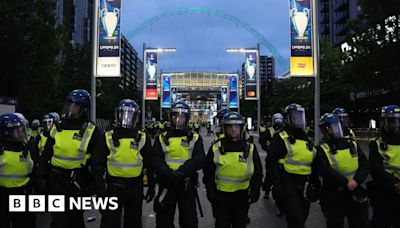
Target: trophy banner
point(250, 76)
point(233, 91)
point(224, 95)
point(109, 39)
point(151, 75)
point(301, 58)
point(166, 91)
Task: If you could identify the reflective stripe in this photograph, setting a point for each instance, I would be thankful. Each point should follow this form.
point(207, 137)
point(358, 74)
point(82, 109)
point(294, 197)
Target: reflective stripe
point(175, 161)
point(231, 180)
point(271, 131)
point(69, 158)
point(332, 157)
point(390, 167)
point(12, 176)
point(127, 165)
point(86, 136)
point(299, 163)
point(111, 143)
point(164, 147)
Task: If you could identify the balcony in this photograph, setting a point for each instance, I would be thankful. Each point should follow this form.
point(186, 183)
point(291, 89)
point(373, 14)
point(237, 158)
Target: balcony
point(341, 5)
point(341, 18)
point(324, 7)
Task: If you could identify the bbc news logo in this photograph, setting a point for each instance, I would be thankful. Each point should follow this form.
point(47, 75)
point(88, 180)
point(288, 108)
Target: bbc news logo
point(57, 203)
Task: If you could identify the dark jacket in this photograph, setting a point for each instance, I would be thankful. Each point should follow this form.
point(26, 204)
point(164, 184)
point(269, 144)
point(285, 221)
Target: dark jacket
point(99, 159)
point(230, 146)
point(189, 169)
point(382, 178)
point(331, 177)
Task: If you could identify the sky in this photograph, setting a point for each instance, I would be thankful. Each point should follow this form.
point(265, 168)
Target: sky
point(201, 39)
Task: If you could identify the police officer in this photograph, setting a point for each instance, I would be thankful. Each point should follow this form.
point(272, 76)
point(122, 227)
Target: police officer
point(121, 154)
point(35, 127)
point(384, 163)
point(277, 124)
point(345, 122)
point(178, 154)
point(48, 121)
point(16, 166)
point(290, 164)
point(343, 167)
point(66, 154)
point(233, 174)
point(220, 115)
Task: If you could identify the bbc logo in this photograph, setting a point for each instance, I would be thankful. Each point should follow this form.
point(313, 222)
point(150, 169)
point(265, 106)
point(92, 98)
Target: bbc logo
point(36, 203)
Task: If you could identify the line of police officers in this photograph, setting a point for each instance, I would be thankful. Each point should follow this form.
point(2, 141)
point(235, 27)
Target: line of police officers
point(72, 157)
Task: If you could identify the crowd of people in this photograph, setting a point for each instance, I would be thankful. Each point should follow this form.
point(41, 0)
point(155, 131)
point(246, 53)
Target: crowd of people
point(69, 155)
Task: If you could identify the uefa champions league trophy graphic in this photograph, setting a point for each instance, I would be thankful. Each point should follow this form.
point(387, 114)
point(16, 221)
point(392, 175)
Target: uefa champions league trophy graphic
point(109, 20)
point(300, 21)
point(250, 68)
point(151, 69)
point(173, 96)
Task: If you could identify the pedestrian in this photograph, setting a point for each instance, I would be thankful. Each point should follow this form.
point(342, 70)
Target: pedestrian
point(384, 161)
point(16, 166)
point(178, 155)
point(344, 168)
point(291, 164)
point(233, 174)
point(64, 164)
point(121, 155)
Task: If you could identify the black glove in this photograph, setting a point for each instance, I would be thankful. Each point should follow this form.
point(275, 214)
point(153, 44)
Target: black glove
point(101, 190)
point(312, 193)
point(278, 191)
point(151, 192)
point(254, 195)
point(212, 196)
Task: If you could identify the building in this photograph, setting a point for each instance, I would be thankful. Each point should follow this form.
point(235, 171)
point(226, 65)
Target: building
point(131, 69)
point(333, 18)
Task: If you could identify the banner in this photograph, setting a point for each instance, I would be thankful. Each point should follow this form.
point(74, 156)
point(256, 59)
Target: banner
point(151, 75)
point(301, 59)
point(109, 39)
point(233, 91)
point(166, 91)
point(250, 76)
point(174, 94)
point(224, 95)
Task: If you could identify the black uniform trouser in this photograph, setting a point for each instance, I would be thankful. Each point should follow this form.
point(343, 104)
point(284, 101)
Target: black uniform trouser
point(130, 198)
point(294, 204)
point(60, 184)
point(386, 209)
point(231, 209)
point(15, 219)
point(337, 204)
point(165, 210)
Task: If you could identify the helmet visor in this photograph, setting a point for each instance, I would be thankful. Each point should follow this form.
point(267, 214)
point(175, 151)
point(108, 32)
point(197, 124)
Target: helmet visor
point(297, 119)
point(334, 130)
point(344, 120)
point(392, 125)
point(18, 134)
point(179, 119)
point(47, 124)
point(126, 117)
point(72, 111)
point(233, 131)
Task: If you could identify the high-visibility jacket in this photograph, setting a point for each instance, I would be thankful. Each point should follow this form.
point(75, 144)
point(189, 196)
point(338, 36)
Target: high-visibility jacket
point(15, 168)
point(177, 150)
point(69, 149)
point(391, 157)
point(299, 158)
point(42, 143)
point(343, 161)
point(262, 129)
point(271, 131)
point(233, 170)
point(125, 160)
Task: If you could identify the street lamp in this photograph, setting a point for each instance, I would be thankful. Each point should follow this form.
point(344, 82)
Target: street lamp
point(257, 51)
point(145, 50)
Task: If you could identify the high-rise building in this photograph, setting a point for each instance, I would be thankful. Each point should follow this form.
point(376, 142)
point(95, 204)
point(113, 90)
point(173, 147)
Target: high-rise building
point(131, 69)
point(333, 18)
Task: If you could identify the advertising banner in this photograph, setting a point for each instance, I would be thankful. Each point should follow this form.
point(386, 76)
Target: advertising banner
point(224, 95)
point(151, 75)
point(233, 91)
point(166, 91)
point(109, 39)
point(250, 76)
point(174, 94)
point(301, 59)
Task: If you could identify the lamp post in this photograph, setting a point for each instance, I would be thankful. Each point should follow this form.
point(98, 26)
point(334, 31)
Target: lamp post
point(257, 51)
point(145, 50)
